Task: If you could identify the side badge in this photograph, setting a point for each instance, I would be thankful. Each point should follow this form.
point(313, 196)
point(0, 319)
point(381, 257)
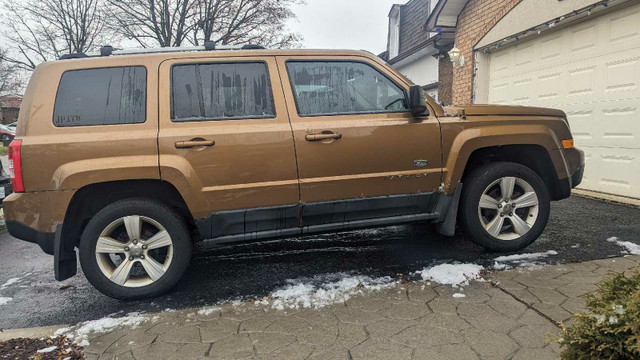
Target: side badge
point(421, 163)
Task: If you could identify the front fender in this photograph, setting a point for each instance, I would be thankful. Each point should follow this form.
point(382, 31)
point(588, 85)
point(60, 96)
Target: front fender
point(472, 139)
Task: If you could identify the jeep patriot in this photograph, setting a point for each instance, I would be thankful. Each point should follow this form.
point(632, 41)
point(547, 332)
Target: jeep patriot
point(133, 157)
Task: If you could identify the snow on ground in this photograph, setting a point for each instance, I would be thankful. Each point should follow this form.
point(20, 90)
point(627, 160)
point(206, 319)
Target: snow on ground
point(631, 248)
point(452, 274)
point(208, 311)
point(521, 260)
point(13, 281)
point(324, 290)
point(4, 300)
point(47, 350)
point(459, 296)
point(79, 334)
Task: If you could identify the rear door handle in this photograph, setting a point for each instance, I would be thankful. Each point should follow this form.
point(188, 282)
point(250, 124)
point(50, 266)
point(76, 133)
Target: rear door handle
point(193, 143)
point(323, 137)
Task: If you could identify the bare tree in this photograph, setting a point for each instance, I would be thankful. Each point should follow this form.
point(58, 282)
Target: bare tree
point(245, 21)
point(41, 30)
point(163, 22)
point(10, 77)
point(175, 22)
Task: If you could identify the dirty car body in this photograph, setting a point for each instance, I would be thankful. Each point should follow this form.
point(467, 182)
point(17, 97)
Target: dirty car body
point(256, 144)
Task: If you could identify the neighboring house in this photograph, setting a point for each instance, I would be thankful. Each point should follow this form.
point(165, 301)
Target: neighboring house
point(581, 56)
point(9, 108)
point(410, 48)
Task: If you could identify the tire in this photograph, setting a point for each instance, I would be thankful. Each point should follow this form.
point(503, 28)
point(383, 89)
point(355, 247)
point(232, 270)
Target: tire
point(5, 137)
point(117, 246)
point(521, 225)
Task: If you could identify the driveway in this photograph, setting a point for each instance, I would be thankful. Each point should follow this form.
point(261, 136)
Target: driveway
point(578, 231)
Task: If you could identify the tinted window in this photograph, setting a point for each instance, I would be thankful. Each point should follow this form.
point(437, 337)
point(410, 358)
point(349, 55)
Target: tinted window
point(106, 96)
point(221, 91)
point(322, 88)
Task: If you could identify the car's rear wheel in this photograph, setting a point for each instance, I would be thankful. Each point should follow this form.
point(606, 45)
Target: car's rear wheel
point(504, 206)
point(135, 248)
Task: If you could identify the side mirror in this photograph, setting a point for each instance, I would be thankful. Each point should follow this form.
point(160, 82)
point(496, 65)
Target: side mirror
point(417, 101)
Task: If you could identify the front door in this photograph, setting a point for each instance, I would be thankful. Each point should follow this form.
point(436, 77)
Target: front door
point(225, 142)
point(360, 152)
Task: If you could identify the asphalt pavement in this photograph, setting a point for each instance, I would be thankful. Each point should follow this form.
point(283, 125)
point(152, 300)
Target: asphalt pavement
point(578, 231)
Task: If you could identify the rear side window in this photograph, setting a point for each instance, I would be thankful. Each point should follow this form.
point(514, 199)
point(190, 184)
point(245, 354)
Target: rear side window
point(221, 92)
point(343, 87)
point(107, 96)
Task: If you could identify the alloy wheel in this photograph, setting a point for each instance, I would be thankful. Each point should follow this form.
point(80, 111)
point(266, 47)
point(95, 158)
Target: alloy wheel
point(134, 251)
point(508, 208)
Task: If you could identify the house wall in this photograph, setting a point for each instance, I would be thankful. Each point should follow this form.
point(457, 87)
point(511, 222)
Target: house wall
point(412, 19)
point(474, 22)
point(9, 115)
point(445, 81)
point(423, 71)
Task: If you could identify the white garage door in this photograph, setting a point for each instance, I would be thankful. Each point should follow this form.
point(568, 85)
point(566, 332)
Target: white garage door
point(591, 71)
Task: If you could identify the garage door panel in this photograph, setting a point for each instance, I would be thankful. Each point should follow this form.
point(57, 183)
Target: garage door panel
point(591, 71)
point(612, 171)
point(614, 123)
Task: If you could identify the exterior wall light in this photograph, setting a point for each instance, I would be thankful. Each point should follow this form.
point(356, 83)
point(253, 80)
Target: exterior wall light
point(456, 57)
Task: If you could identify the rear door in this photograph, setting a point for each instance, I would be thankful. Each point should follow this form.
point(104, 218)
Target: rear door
point(225, 142)
point(361, 154)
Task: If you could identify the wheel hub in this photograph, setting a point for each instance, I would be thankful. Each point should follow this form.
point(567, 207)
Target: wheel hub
point(136, 251)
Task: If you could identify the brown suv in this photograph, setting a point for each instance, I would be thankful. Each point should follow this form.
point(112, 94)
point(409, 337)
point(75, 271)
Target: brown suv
point(133, 157)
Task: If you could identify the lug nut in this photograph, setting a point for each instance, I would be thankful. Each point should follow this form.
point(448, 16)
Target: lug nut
point(135, 242)
point(142, 257)
point(144, 247)
point(506, 201)
point(502, 214)
point(126, 248)
point(131, 258)
point(499, 206)
point(511, 214)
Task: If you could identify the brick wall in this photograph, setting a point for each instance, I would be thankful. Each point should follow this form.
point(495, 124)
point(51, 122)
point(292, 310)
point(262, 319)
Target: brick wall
point(445, 80)
point(412, 17)
point(475, 20)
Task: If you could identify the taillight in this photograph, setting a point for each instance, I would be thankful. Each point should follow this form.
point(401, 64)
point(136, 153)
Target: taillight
point(15, 165)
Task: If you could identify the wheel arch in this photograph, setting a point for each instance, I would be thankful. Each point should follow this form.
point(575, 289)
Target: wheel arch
point(88, 200)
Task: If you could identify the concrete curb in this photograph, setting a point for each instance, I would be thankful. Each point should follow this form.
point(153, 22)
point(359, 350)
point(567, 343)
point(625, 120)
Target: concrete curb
point(614, 199)
point(34, 333)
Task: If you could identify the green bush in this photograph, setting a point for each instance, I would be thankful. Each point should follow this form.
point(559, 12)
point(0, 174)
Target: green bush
point(611, 329)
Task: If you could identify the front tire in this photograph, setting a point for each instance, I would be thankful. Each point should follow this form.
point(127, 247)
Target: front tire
point(504, 206)
point(135, 248)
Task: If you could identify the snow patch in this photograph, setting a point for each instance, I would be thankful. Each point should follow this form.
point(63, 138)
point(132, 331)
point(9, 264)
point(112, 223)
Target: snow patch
point(325, 290)
point(208, 311)
point(459, 296)
point(47, 350)
point(521, 260)
point(452, 274)
point(10, 282)
point(5, 300)
point(80, 334)
point(631, 248)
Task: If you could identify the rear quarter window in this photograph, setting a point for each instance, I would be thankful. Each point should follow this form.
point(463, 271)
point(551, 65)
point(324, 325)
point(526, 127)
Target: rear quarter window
point(106, 96)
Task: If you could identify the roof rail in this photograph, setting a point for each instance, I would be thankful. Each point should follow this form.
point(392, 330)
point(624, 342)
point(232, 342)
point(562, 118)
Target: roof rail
point(109, 50)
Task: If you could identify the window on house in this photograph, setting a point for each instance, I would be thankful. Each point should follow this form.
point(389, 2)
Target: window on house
point(342, 87)
point(221, 92)
point(106, 96)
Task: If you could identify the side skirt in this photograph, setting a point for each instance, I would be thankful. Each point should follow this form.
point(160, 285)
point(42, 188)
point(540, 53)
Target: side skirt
point(318, 229)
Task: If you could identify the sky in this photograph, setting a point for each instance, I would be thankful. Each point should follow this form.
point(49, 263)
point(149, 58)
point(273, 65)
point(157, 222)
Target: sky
point(344, 24)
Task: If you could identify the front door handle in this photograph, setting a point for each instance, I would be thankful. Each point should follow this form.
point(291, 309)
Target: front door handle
point(323, 136)
point(193, 143)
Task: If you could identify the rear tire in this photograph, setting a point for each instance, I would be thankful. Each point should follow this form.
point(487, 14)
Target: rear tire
point(504, 206)
point(134, 249)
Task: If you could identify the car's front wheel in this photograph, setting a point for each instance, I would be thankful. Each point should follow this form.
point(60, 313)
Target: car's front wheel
point(504, 206)
point(135, 248)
